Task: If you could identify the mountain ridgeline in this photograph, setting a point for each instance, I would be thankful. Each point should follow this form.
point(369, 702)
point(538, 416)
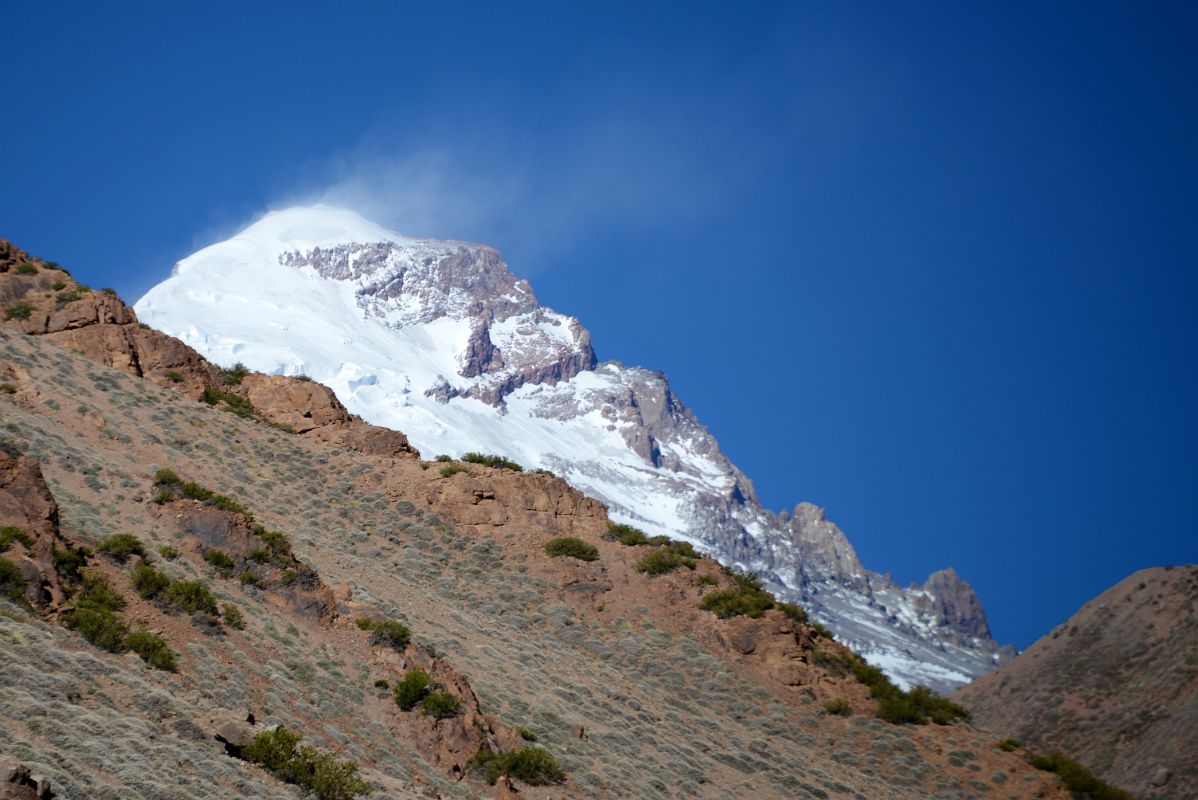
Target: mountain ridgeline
point(440, 340)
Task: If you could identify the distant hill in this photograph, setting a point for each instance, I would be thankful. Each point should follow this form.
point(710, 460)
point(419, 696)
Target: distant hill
point(1116, 686)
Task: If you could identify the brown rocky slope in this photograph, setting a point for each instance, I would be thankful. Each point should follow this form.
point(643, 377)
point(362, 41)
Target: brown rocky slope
point(1115, 685)
point(634, 689)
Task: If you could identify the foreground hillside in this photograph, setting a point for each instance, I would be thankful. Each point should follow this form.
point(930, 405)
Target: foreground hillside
point(1116, 685)
point(280, 554)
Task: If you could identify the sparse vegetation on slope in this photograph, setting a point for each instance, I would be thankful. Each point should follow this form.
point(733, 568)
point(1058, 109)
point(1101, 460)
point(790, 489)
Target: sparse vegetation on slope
point(1077, 779)
point(533, 765)
point(571, 547)
point(492, 461)
point(280, 752)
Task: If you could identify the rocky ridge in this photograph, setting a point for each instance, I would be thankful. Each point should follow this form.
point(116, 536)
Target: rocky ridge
point(410, 333)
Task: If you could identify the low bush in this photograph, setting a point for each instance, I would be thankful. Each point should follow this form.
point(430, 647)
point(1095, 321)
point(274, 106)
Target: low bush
point(174, 376)
point(235, 374)
point(838, 707)
point(220, 560)
point(58, 286)
point(381, 683)
point(69, 561)
point(12, 582)
point(169, 485)
point(10, 534)
point(526, 734)
point(121, 546)
point(706, 580)
point(275, 541)
point(8, 388)
point(661, 560)
point(1077, 779)
point(413, 687)
point(153, 650)
point(625, 534)
point(727, 603)
point(22, 309)
point(532, 765)
point(571, 547)
point(249, 578)
point(390, 633)
point(191, 597)
point(444, 459)
point(168, 552)
point(149, 582)
point(820, 630)
point(1009, 745)
point(492, 461)
point(27, 268)
point(916, 706)
point(794, 612)
point(94, 615)
point(231, 616)
point(302, 377)
point(259, 555)
point(453, 469)
point(233, 403)
point(440, 705)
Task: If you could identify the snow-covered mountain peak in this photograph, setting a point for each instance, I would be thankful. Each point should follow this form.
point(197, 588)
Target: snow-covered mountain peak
point(440, 340)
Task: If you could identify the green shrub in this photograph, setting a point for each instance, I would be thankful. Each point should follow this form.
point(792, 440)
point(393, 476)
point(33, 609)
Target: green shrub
point(626, 535)
point(727, 603)
point(231, 616)
point(10, 534)
point(661, 560)
point(71, 296)
point(58, 286)
point(526, 734)
point(454, 469)
point(413, 687)
point(174, 376)
point(220, 560)
point(440, 705)
point(364, 623)
point(838, 707)
point(820, 630)
point(1077, 779)
point(22, 309)
point(99, 626)
point(12, 582)
point(8, 388)
point(234, 403)
point(572, 547)
point(900, 710)
point(794, 612)
point(27, 268)
point(153, 650)
point(706, 580)
point(444, 459)
point(166, 477)
point(288, 576)
point(54, 265)
point(1009, 745)
point(492, 461)
point(69, 561)
point(274, 750)
point(276, 542)
point(916, 706)
point(532, 765)
point(302, 377)
point(120, 546)
point(108, 290)
point(390, 633)
point(191, 596)
point(249, 578)
point(168, 552)
point(149, 582)
point(381, 683)
point(258, 555)
point(235, 374)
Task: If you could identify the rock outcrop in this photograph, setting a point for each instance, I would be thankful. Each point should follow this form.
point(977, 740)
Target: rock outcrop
point(1115, 686)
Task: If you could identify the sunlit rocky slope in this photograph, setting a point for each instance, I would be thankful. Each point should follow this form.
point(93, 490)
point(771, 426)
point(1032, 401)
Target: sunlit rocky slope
point(284, 563)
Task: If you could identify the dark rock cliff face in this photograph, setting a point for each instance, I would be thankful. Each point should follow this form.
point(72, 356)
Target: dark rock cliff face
point(954, 604)
point(1115, 686)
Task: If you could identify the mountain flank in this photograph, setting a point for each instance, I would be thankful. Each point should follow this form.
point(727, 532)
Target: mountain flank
point(1115, 685)
point(194, 578)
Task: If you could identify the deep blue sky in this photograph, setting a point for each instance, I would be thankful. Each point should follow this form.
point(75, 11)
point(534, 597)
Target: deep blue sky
point(931, 267)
